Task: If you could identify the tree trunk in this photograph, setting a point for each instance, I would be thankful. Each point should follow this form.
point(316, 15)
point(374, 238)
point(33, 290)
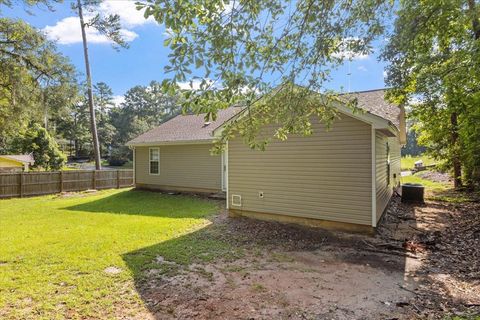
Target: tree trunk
point(457, 166)
point(93, 125)
point(475, 21)
point(76, 148)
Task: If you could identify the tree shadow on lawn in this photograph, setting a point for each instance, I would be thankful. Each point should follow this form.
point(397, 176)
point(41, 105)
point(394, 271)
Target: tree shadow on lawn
point(254, 252)
point(147, 203)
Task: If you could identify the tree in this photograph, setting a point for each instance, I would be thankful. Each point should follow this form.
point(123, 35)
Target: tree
point(412, 148)
point(110, 27)
point(8, 3)
point(435, 68)
point(145, 107)
point(38, 142)
point(73, 125)
point(104, 103)
point(35, 80)
point(241, 51)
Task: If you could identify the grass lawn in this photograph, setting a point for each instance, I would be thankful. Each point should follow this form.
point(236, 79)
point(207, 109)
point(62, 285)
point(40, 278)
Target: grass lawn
point(408, 162)
point(431, 186)
point(55, 250)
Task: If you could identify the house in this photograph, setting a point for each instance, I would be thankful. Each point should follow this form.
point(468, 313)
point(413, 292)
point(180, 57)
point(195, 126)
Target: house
point(15, 163)
point(342, 178)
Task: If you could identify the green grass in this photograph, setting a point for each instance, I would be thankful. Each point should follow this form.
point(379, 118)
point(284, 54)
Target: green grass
point(54, 250)
point(408, 162)
point(431, 186)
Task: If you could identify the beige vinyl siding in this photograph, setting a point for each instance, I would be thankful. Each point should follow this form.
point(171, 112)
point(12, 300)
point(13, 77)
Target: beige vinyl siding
point(323, 176)
point(384, 191)
point(181, 166)
point(8, 166)
point(7, 163)
point(395, 158)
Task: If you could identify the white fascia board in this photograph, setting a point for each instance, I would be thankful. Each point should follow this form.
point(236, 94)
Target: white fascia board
point(169, 143)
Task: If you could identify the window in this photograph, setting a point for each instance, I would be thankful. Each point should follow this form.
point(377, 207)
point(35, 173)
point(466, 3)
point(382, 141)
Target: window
point(154, 161)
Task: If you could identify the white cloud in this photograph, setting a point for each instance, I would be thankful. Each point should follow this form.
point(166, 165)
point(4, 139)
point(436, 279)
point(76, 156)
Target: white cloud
point(67, 30)
point(384, 74)
point(344, 50)
point(129, 15)
point(193, 84)
point(350, 55)
point(117, 100)
point(362, 68)
point(168, 33)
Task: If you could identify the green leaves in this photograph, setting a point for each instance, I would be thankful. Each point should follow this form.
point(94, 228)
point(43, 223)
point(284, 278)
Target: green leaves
point(435, 70)
point(45, 150)
point(35, 80)
point(238, 45)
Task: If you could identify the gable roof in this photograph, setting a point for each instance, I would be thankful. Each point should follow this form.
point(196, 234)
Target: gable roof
point(374, 102)
point(24, 158)
point(192, 128)
point(185, 128)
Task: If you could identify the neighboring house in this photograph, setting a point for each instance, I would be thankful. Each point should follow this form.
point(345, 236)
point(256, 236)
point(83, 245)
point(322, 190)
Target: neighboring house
point(15, 163)
point(342, 178)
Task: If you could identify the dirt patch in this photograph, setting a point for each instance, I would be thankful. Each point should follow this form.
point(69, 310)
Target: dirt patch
point(284, 285)
point(423, 263)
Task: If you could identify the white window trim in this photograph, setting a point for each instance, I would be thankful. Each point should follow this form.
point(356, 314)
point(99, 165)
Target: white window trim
point(150, 160)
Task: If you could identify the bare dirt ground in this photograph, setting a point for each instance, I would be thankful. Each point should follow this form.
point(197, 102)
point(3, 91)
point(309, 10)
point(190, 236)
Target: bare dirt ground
point(423, 263)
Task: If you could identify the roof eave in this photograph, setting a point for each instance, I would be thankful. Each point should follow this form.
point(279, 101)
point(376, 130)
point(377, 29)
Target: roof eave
point(168, 143)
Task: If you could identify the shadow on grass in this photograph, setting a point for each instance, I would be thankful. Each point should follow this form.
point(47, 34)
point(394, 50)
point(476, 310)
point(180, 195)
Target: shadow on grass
point(154, 266)
point(241, 241)
point(146, 203)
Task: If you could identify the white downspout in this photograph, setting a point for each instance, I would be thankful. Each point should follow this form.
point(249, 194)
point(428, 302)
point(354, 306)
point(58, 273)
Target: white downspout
point(134, 166)
point(374, 180)
point(226, 173)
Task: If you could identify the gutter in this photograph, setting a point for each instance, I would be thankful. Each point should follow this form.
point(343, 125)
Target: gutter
point(168, 143)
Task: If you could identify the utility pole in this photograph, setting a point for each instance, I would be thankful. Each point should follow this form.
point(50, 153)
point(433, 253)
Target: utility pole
point(93, 124)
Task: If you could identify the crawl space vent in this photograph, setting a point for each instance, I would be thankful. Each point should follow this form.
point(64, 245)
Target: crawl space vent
point(236, 200)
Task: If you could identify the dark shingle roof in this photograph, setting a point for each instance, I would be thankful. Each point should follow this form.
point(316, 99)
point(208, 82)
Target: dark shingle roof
point(193, 127)
point(185, 128)
point(25, 158)
point(374, 102)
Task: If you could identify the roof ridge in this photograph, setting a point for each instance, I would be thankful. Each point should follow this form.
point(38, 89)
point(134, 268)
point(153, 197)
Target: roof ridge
point(364, 91)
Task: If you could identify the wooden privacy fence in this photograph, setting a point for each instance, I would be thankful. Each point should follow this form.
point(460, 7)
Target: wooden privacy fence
point(39, 183)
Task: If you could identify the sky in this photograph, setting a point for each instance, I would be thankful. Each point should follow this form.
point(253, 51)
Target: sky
point(145, 59)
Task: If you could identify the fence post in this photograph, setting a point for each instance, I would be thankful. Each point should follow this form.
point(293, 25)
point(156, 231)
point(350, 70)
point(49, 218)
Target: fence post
point(94, 179)
point(21, 184)
point(61, 181)
point(118, 179)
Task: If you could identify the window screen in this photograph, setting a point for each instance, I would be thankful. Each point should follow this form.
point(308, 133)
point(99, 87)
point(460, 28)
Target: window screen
point(154, 160)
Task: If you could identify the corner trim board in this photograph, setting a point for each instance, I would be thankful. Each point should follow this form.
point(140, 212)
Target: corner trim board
point(374, 179)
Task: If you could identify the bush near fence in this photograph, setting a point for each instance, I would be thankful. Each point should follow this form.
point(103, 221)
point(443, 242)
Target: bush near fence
point(40, 183)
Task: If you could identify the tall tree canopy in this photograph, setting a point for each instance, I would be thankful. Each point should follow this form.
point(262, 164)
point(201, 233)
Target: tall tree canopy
point(434, 55)
point(109, 26)
point(144, 108)
point(229, 48)
point(35, 80)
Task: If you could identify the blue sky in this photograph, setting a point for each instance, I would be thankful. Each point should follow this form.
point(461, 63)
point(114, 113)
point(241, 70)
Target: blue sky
point(146, 57)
